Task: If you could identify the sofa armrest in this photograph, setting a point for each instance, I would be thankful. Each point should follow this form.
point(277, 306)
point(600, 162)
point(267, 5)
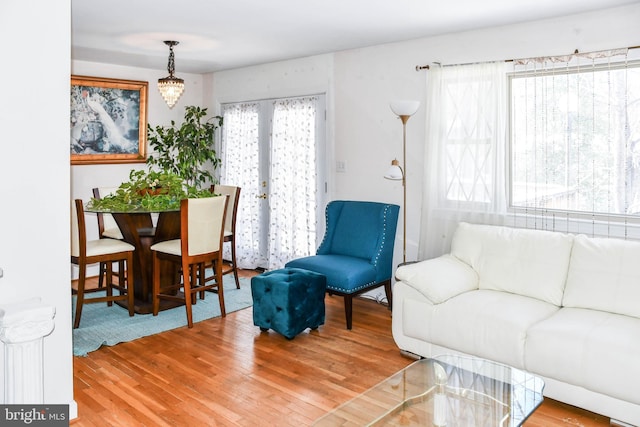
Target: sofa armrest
point(440, 278)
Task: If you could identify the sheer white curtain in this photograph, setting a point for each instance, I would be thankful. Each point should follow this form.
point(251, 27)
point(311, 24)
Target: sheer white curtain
point(293, 187)
point(240, 167)
point(465, 152)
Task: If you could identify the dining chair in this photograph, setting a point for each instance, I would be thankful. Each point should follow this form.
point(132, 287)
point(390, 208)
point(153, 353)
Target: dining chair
point(107, 228)
point(200, 242)
point(230, 226)
point(356, 252)
point(85, 252)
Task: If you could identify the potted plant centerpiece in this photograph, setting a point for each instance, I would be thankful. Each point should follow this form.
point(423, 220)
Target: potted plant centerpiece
point(180, 154)
point(148, 191)
point(187, 149)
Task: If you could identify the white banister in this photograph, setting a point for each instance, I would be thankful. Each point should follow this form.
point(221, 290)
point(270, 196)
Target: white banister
point(23, 327)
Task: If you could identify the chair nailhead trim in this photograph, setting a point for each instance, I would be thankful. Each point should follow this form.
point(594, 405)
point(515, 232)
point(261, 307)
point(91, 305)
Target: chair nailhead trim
point(376, 258)
point(335, 288)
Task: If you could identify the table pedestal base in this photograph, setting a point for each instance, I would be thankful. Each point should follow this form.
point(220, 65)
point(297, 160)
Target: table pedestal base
point(137, 229)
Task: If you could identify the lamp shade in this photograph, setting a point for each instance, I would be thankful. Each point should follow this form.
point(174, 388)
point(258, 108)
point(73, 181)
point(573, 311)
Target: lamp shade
point(394, 172)
point(405, 107)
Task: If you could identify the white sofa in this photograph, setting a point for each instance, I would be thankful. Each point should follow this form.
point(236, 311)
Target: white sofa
point(564, 307)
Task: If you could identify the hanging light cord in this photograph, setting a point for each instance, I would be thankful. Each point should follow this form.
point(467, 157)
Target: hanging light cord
point(171, 66)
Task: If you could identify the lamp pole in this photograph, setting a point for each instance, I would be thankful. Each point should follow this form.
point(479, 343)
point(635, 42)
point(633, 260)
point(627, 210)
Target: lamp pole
point(404, 119)
point(403, 109)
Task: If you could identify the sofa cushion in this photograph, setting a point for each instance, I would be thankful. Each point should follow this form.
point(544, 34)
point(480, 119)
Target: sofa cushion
point(526, 262)
point(440, 278)
point(604, 274)
point(488, 324)
point(588, 348)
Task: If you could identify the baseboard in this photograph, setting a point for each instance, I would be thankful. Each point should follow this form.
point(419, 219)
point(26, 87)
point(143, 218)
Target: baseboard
point(616, 423)
point(410, 355)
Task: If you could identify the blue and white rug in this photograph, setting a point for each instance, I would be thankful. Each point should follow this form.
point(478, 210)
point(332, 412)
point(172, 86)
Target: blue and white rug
point(102, 325)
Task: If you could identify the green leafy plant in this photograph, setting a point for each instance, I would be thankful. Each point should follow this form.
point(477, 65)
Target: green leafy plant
point(186, 149)
point(148, 191)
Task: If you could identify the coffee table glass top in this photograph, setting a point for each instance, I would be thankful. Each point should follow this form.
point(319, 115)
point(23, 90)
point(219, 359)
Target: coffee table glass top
point(444, 391)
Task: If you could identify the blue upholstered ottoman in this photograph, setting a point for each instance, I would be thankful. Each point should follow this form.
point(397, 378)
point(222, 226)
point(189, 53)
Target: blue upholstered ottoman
point(288, 300)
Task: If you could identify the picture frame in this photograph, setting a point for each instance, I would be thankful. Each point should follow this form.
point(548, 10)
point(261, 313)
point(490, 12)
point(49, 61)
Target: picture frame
point(108, 122)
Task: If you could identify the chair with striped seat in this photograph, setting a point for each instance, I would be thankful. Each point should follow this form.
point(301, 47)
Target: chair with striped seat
point(200, 243)
point(85, 252)
point(230, 226)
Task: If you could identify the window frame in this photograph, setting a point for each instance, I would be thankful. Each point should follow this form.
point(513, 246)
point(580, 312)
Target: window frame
point(595, 218)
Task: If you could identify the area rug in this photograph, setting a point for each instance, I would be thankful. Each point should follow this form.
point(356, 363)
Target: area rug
point(102, 325)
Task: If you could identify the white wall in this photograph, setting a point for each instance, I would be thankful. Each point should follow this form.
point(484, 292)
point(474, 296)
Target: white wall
point(366, 135)
point(34, 174)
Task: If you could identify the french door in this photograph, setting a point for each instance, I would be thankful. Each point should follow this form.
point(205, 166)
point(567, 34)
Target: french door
point(274, 150)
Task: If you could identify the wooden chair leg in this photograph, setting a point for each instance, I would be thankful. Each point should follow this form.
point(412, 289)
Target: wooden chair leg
point(156, 284)
point(188, 276)
point(109, 284)
point(200, 278)
point(348, 309)
point(128, 281)
point(218, 270)
point(121, 273)
point(388, 292)
point(80, 295)
point(234, 263)
point(102, 271)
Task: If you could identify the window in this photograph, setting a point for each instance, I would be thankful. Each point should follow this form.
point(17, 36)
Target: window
point(560, 151)
point(575, 137)
point(469, 122)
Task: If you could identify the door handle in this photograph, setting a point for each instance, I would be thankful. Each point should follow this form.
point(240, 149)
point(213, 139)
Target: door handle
point(262, 196)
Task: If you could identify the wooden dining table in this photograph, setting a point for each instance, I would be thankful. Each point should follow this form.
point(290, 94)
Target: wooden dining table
point(137, 228)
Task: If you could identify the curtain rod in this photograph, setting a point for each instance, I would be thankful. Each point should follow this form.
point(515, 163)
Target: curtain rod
point(426, 67)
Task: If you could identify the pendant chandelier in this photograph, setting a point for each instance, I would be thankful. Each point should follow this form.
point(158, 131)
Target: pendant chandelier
point(171, 87)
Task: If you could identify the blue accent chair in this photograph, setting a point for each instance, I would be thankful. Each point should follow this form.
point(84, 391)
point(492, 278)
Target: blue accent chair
point(357, 250)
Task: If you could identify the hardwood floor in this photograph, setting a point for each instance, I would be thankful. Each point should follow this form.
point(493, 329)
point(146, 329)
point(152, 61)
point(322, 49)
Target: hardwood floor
point(225, 372)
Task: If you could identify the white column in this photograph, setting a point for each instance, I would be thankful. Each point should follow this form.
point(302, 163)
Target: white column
point(23, 327)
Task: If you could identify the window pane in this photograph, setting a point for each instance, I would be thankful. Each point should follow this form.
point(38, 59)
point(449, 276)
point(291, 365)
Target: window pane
point(575, 137)
point(469, 111)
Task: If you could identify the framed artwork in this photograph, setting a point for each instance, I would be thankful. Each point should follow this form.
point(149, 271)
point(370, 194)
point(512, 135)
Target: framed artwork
point(108, 120)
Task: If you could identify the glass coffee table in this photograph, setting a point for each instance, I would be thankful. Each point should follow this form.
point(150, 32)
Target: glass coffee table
point(444, 391)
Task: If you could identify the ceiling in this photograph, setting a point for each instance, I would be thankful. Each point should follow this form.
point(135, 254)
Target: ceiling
point(216, 35)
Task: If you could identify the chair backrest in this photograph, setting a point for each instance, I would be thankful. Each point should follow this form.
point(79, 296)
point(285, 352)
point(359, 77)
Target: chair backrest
point(201, 224)
point(364, 230)
point(78, 230)
point(232, 209)
point(105, 220)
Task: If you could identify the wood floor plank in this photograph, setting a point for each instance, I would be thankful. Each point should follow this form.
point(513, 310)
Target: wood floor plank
point(226, 372)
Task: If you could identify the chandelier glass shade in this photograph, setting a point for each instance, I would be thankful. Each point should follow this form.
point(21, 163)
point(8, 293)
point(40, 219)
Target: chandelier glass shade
point(171, 87)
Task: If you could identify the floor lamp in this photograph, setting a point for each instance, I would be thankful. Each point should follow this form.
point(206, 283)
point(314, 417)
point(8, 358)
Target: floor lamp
point(403, 109)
